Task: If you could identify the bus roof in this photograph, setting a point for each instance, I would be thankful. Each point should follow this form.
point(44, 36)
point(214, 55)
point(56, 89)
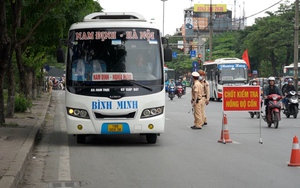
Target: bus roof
point(292, 65)
point(114, 20)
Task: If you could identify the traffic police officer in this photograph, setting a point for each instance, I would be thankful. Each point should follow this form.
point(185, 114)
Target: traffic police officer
point(205, 94)
point(196, 101)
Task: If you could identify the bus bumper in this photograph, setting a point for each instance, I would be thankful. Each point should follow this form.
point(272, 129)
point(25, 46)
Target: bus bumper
point(153, 125)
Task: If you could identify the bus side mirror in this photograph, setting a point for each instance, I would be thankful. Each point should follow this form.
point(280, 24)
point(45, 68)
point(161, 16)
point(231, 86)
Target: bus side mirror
point(164, 40)
point(167, 54)
point(60, 55)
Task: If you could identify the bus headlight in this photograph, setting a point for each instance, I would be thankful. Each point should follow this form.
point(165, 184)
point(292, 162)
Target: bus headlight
point(79, 113)
point(151, 112)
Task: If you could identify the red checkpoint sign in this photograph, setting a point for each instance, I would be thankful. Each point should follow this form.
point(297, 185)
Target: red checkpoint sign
point(241, 98)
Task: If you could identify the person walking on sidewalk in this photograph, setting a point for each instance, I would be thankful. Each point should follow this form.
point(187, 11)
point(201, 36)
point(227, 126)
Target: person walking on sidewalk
point(196, 101)
point(205, 94)
point(50, 85)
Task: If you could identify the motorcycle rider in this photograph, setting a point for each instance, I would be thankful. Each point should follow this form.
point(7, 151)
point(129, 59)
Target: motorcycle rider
point(289, 87)
point(285, 83)
point(171, 84)
point(270, 89)
point(179, 83)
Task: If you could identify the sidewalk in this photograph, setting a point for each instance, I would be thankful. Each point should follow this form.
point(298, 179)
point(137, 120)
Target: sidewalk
point(17, 141)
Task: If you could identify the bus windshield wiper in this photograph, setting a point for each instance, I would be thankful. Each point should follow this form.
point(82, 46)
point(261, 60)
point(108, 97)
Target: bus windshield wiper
point(136, 83)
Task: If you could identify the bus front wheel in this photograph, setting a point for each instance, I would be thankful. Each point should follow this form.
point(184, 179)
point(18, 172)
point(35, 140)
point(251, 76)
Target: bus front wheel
point(151, 138)
point(81, 139)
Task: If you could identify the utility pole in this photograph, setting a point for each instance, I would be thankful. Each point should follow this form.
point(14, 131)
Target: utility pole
point(210, 31)
point(163, 33)
point(296, 43)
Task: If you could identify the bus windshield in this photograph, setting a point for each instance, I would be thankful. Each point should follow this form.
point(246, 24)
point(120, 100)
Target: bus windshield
point(232, 72)
point(169, 74)
point(105, 57)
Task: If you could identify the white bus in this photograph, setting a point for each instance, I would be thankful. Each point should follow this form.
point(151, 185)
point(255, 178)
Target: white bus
point(224, 71)
point(288, 71)
point(115, 76)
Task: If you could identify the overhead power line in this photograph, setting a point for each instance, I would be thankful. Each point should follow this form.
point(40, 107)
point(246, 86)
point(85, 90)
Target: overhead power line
point(264, 9)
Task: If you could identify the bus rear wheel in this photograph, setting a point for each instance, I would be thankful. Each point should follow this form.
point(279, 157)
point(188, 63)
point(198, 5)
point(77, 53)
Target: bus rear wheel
point(151, 138)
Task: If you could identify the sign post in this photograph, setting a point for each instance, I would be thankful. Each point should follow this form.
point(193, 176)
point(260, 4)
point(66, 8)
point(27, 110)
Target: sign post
point(242, 98)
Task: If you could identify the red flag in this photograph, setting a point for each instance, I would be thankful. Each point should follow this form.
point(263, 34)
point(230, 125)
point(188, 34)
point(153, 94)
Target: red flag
point(246, 58)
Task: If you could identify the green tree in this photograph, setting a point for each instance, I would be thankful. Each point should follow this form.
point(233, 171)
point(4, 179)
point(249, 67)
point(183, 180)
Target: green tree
point(5, 47)
point(271, 40)
point(31, 42)
point(224, 45)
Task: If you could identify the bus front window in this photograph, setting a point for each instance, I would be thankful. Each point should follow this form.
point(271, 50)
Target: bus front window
point(232, 73)
point(118, 54)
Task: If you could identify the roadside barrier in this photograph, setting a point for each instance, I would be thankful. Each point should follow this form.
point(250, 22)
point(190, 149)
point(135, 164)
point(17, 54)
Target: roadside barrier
point(295, 153)
point(225, 132)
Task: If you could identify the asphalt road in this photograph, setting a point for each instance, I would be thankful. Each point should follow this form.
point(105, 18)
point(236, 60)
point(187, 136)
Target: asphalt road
point(181, 158)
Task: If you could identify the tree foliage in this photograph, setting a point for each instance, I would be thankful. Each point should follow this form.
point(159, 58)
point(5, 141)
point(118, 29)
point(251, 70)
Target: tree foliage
point(270, 43)
point(35, 29)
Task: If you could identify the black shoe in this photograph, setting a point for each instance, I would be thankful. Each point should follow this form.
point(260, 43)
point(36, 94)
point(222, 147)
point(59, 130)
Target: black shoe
point(196, 127)
point(193, 127)
point(205, 123)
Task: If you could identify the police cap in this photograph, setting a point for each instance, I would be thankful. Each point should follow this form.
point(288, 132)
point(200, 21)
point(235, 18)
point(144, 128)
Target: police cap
point(195, 74)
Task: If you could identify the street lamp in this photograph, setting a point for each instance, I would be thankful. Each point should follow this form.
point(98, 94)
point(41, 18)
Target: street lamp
point(163, 17)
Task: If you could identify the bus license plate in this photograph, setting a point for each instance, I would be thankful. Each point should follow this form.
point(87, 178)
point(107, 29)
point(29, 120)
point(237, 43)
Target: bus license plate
point(115, 128)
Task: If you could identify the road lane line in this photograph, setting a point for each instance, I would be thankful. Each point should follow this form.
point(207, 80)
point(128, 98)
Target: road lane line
point(64, 172)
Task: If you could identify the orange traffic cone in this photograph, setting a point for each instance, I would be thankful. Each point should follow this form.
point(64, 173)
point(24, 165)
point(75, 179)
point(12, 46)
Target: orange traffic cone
point(224, 133)
point(295, 154)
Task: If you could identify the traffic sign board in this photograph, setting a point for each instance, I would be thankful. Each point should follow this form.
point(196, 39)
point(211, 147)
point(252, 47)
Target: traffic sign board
point(193, 53)
point(174, 54)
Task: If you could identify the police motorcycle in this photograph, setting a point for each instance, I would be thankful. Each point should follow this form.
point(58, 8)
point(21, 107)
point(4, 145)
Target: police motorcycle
point(292, 106)
point(273, 108)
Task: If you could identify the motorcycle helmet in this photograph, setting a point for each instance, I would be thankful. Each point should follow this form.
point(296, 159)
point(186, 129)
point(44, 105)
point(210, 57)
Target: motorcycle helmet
point(290, 80)
point(271, 78)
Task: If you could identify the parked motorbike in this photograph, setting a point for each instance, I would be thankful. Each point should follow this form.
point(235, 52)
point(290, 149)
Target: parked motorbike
point(257, 114)
point(252, 114)
point(292, 107)
point(171, 92)
point(274, 107)
point(179, 91)
point(58, 86)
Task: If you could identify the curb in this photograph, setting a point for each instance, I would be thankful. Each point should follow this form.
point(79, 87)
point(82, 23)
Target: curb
point(15, 173)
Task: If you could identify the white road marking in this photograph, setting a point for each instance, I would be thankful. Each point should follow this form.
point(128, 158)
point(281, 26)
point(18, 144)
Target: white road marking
point(64, 172)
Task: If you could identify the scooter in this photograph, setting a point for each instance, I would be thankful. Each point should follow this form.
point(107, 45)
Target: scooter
point(179, 91)
point(274, 107)
point(58, 86)
point(292, 106)
point(171, 92)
